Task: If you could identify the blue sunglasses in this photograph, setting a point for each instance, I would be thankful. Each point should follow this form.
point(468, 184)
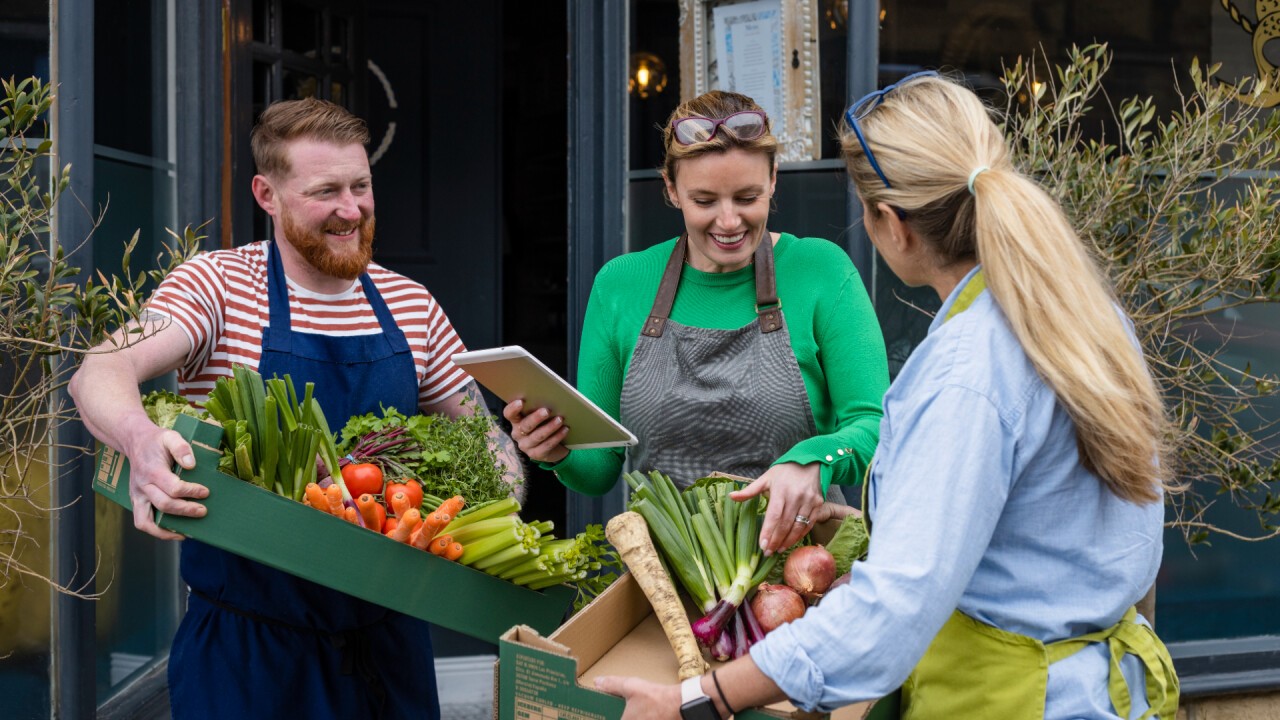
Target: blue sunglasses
point(869, 102)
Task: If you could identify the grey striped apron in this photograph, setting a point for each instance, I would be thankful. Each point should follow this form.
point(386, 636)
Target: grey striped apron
point(702, 400)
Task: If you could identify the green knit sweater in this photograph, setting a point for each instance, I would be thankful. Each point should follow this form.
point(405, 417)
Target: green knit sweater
point(834, 334)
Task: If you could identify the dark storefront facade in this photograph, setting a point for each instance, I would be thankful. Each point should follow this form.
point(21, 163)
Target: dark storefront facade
point(512, 160)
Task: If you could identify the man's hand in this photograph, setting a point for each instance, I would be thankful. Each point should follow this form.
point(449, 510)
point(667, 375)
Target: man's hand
point(795, 492)
point(152, 484)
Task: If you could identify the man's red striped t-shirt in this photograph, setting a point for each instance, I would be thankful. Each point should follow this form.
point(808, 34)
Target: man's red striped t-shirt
point(219, 299)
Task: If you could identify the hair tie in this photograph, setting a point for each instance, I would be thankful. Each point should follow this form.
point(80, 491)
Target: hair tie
point(974, 176)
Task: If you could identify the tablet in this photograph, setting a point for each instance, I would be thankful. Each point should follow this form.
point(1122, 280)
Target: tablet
point(512, 373)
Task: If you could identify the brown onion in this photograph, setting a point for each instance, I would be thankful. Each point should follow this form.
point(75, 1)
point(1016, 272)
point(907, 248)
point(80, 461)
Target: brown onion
point(776, 605)
point(809, 570)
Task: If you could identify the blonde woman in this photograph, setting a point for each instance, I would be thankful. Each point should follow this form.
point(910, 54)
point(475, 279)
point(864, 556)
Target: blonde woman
point(1015, 496)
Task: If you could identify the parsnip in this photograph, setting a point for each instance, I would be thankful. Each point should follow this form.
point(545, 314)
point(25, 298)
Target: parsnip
point(630, 535)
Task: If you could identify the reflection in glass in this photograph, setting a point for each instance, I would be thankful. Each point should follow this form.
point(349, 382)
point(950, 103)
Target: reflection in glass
point(24, 39)
point(1154, 42)
point(296, 84)
point(131, 76)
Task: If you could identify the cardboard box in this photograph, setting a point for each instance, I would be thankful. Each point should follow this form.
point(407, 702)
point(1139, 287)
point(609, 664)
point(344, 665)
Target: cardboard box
point(551, 677)
point(276, 531)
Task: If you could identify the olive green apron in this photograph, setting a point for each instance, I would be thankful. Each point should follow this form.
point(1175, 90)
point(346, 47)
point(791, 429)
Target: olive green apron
point(975, 670)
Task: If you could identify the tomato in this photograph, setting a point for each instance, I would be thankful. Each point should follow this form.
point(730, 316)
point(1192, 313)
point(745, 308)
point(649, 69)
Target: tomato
point(361, 478)
point(411, 488)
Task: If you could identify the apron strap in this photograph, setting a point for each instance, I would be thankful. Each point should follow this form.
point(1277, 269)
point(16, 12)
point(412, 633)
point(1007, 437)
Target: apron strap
point(1130, 637)
point(768, 307)
point(666, 298)
point(279, 331)
point(391, 332)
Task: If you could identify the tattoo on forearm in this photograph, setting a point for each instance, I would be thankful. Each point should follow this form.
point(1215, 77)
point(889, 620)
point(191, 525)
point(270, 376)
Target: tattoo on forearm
point(504, 449)
point(472, 396)
point(513, 466)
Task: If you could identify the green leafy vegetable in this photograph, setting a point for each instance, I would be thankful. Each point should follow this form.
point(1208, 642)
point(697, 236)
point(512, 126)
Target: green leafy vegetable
point(849, 544)
point(164, 407)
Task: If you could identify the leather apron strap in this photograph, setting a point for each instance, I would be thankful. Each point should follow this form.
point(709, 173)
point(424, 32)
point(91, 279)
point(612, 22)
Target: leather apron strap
point(768, 308)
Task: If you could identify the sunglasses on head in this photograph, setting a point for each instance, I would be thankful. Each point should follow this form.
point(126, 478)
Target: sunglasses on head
point(745, 125)
point(865, 105)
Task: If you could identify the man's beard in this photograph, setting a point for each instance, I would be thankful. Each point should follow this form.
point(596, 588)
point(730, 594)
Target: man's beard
point(313, 246)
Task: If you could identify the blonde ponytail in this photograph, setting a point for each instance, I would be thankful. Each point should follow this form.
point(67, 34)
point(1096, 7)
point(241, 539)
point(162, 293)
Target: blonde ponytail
point(928, 137)
point(1062, 312)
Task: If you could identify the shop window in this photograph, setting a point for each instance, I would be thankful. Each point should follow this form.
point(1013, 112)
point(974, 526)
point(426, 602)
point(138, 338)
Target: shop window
point(133, 168)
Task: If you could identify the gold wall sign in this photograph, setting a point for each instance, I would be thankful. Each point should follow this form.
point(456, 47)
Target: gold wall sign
point(1266, 29)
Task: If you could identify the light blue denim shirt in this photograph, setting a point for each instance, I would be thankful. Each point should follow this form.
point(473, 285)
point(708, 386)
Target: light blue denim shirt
point(979, 502)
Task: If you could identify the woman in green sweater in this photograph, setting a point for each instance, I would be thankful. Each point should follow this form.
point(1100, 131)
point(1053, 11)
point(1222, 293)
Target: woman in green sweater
point(730, 348)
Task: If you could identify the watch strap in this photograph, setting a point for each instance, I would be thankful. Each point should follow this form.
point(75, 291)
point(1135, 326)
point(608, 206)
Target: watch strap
point(691, 689)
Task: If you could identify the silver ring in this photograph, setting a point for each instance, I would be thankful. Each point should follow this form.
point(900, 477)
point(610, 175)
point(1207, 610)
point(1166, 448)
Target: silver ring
point(802, 519)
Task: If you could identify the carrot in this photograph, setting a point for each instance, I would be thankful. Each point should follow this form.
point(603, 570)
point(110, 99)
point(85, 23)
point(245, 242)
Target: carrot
point(372, 511)
point(435, 522)
point(418, 538)
point(400, 504)
point(350, 514)
point(440, 544)
point(334, 495)
point(411, 519)
point(389, 524)
point(629, 533)
point(452, 506)
point(453, 552)
point(316, 499)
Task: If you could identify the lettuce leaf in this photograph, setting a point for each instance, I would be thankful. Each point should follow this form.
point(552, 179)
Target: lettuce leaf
point(164, 407)
point(849, 544)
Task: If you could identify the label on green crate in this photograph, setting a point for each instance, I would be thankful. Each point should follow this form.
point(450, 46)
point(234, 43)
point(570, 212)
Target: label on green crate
point(108, 475)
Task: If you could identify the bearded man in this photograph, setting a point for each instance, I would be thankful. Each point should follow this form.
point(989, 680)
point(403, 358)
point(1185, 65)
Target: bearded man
point(257, 642)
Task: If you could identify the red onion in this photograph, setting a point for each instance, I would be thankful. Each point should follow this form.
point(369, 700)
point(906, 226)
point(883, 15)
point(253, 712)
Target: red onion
point(809, 570)
point(776, 605)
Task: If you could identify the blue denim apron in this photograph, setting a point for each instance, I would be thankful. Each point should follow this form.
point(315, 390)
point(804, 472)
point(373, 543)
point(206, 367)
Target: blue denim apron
point(259, 643)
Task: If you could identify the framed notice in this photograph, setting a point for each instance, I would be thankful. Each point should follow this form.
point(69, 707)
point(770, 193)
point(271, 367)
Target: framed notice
point(766, 49)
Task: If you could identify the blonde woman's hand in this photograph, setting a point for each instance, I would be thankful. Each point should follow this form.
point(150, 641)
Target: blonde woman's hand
point(834, 511)
point(795, 497)
point(539, 434)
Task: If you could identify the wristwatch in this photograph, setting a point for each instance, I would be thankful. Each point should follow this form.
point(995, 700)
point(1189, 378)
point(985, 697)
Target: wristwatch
point(694, 703)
